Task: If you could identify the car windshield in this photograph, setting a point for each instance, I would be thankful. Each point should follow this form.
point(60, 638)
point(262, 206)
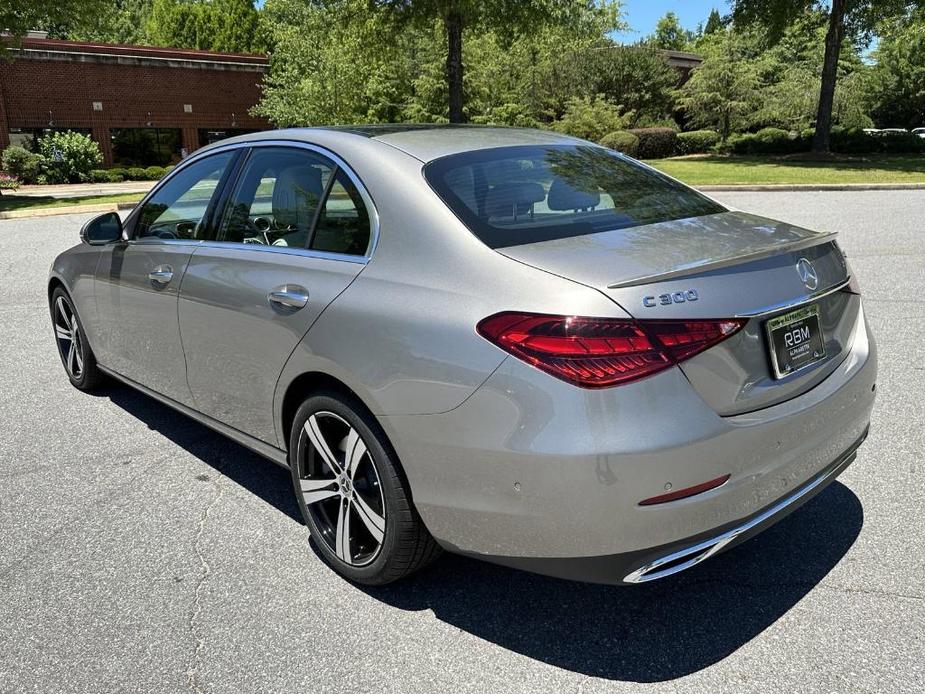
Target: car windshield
point(510, 196)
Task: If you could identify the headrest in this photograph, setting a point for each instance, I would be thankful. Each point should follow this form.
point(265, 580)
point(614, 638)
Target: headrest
point(508, 199)
point(296, 194)
point(563, 197)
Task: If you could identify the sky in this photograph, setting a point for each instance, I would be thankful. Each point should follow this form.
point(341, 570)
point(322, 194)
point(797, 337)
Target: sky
point(642, 15)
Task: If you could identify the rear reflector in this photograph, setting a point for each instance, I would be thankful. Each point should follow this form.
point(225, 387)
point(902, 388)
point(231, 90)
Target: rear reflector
point(602, 352)
point(684, 493)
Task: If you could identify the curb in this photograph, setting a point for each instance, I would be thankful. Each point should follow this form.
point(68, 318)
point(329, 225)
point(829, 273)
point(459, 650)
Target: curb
point(71, 209)
point(806, 187)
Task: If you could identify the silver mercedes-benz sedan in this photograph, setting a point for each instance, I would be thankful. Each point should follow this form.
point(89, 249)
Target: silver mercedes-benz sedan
point(506, 343)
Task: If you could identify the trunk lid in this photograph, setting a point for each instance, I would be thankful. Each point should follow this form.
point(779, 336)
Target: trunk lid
point(724, 265)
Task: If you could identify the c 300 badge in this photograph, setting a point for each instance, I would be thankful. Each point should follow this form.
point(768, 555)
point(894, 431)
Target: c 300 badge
point(672, 298)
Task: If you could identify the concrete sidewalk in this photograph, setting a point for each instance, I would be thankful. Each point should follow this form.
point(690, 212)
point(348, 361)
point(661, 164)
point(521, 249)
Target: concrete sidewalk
point(80, 190)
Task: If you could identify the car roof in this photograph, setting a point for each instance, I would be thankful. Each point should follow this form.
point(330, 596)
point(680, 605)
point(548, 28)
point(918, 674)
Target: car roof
point(423, 141)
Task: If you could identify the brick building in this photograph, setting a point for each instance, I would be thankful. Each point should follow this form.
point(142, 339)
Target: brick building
point(143, 105)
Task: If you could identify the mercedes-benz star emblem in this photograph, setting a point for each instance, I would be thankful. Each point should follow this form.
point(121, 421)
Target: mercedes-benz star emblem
point(807, 273)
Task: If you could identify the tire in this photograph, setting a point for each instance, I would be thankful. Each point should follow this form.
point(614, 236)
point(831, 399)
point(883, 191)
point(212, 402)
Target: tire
point(73, 348)
point(383, 538)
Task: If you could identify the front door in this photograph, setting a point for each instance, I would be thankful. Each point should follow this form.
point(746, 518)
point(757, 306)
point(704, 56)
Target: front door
point(138, 280)
point(293, 236)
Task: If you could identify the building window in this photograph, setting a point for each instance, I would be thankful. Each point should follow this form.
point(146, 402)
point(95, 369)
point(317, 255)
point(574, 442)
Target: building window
point(207, 137)
point(28, 137)
point(187, 108)
point(145, 146)
point(97, 105)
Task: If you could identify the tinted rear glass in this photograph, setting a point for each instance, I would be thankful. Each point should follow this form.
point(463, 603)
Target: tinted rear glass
point(510, 196)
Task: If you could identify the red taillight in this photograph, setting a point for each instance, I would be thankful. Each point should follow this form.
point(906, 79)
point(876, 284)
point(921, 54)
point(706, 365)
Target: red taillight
point(602, 352)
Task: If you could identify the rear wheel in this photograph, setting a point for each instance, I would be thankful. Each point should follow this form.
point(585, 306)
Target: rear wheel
point(352, 493)
point(73, 348)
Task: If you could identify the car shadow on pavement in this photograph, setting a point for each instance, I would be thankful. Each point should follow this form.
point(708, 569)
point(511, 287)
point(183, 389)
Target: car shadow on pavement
point(649, 633)
point(255, 473)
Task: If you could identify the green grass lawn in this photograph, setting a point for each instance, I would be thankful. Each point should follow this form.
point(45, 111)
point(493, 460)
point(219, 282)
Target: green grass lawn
point(715, 170)
point(24, 202)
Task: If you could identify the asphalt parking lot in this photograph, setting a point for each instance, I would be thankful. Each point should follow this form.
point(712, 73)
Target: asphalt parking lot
point(139, 552)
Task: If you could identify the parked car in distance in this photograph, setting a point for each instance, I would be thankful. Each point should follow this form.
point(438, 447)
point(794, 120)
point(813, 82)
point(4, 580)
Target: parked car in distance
point(919, 131)
point(506, 343)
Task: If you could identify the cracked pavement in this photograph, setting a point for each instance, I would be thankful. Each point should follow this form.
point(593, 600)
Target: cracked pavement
point(140, 552)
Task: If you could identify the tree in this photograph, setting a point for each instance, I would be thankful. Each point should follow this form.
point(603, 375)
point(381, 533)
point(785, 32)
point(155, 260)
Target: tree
point(723, 89)
point(506, 18)
point(856, 18)
point(212, 25)
point(714, 23)
point(120, 21)
point(637, 77)
point(670, 35)
point(899, 74)
point(19, 16)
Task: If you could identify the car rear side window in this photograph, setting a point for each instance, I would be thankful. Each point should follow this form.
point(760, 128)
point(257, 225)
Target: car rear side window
point(509, 196)
point(343, 224)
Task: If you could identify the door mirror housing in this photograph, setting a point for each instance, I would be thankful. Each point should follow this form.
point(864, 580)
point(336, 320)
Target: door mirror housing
point(102, 230)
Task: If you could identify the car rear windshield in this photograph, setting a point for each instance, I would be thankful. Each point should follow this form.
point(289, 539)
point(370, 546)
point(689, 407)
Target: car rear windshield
point(510, 196)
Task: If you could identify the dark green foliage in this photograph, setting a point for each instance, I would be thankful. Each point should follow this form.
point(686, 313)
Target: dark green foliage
point(621, 141)
point(135, 173)
point(714, 23)
point(25, 165)
point(105, 176)
point(767, 141)
point(697, 141)
point(155, 173)
point(656, 143)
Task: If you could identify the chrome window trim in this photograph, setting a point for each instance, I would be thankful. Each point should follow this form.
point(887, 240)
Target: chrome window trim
point(371, 209)
point(285, 250)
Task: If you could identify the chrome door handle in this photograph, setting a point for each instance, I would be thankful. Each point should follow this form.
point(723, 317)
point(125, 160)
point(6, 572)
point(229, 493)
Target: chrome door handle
point(162, 274)
point(289, 296)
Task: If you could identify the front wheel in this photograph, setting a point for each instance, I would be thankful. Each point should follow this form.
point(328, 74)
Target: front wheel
point(352, 493)
point(73, 348)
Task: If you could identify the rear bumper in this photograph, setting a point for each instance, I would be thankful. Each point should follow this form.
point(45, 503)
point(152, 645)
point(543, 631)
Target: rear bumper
point(535, 473)
point(660, 562)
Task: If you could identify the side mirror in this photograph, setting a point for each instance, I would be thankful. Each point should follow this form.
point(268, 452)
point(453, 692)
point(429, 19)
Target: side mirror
point(103, 229)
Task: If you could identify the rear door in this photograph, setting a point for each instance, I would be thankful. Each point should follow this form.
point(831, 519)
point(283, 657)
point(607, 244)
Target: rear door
point(138, 280)
point(295, 232)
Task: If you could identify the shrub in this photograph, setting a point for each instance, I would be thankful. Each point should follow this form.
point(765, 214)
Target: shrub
point(25, 165)
point(900, 143)
point(69, 156)
point(8, 181)
point(119, 171)
point(154, 173)
point(105, 176)
point(656, 143)
point(621, 141)
point(135, 173)
point(590, 119)
point(767, 141)
point(853, 141)
point(697, 141)
point(168, 169)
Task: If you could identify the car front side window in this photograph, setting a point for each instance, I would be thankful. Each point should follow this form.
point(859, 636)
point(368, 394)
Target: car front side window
point(177, 210)
point(277, 197)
